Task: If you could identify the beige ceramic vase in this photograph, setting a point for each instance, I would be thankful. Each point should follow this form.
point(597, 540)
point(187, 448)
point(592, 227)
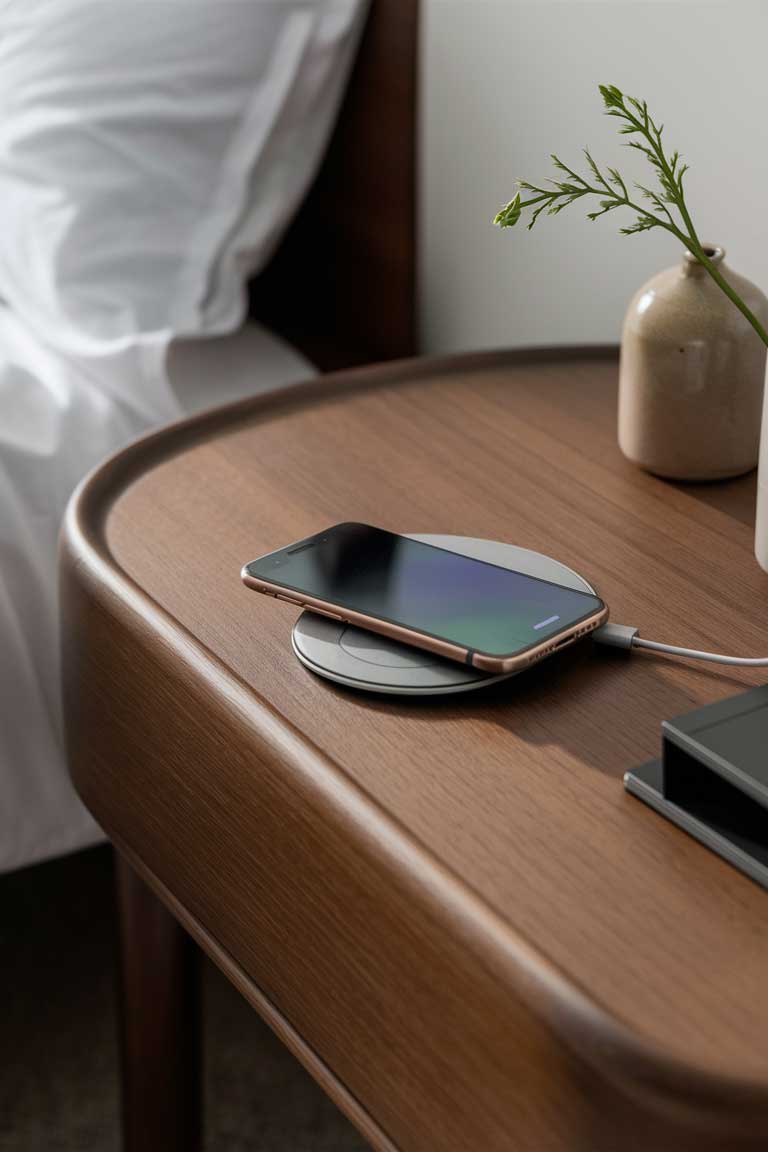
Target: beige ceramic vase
point(691, 379)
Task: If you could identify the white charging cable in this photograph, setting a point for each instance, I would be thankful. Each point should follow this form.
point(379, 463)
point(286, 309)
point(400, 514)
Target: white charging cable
point(623, 636)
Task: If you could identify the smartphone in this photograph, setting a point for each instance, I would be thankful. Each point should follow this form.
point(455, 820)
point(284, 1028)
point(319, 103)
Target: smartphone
point(492, 618)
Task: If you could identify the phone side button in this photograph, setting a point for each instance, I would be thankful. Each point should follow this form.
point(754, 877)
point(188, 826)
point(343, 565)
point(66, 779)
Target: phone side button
point(330, 615)
point(288, 600)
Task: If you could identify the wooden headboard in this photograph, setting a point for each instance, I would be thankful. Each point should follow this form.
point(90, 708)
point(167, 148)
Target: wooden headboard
point(342, 285)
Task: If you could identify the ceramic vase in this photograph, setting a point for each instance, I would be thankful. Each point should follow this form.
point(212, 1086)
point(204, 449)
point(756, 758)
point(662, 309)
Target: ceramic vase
point(691, 377)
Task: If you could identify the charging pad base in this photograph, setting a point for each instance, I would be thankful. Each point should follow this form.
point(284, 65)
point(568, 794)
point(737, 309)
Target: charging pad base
point(371, 663)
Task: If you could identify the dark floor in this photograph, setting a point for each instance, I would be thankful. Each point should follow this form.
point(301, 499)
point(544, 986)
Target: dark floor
point(58, 1060)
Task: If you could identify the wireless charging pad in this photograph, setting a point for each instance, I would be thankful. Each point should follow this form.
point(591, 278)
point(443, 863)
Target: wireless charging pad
point(372, 663)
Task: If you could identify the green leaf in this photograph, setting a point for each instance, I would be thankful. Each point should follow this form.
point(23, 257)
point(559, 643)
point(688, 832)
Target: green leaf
point(605, 206)
point(617, 181)
point(612, 96)
point(558, 163)
point(650, 156)
point(509, 214)
point(594, 168)
point(642, 224)
point(536, 215)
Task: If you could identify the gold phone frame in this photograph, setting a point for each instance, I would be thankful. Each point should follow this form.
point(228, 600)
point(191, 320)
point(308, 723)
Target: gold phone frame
point(497, 665)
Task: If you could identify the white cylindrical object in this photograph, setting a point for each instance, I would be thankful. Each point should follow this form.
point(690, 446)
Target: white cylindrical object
point(761, 517)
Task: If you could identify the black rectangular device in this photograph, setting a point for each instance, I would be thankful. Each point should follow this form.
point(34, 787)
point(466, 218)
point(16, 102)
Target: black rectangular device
point(712, 779)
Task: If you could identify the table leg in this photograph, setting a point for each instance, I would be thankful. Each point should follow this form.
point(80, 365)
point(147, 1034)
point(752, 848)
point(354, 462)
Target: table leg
point(159, 1016)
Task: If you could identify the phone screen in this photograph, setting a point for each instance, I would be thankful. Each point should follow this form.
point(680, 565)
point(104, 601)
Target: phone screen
point(467, 602)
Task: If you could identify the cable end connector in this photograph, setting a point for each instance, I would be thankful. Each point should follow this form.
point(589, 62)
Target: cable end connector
point(616, 635)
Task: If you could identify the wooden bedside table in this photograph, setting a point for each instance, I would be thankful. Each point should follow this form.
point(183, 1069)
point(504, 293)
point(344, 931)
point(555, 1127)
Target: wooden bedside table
point(449, 910)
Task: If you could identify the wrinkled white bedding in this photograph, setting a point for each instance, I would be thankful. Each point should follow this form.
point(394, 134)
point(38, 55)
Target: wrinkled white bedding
point(152, 154)
point(59, 416)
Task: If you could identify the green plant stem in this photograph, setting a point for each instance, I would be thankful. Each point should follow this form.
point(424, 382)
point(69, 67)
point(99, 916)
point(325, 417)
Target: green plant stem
point(692, 242)
point(730, 292)
point(695, 246)
point(670, 172)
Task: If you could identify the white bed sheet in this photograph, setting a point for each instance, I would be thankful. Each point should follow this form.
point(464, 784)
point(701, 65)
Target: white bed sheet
point(60, 416)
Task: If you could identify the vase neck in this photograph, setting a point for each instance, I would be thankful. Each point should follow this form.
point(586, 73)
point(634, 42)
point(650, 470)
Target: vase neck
point(692, 267)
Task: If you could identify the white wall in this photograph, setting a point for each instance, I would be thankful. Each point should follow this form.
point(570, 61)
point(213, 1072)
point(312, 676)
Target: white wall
point(506, 82)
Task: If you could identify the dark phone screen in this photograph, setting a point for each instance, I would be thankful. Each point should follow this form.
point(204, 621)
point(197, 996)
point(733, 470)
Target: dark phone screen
point(467, 602)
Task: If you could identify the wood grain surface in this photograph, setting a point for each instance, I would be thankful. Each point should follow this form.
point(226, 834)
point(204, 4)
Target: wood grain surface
point(476, 934)
point(159, 1021)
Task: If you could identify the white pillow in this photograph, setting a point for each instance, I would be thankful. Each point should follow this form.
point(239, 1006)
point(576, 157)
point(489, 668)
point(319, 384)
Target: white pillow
point(152, 153)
